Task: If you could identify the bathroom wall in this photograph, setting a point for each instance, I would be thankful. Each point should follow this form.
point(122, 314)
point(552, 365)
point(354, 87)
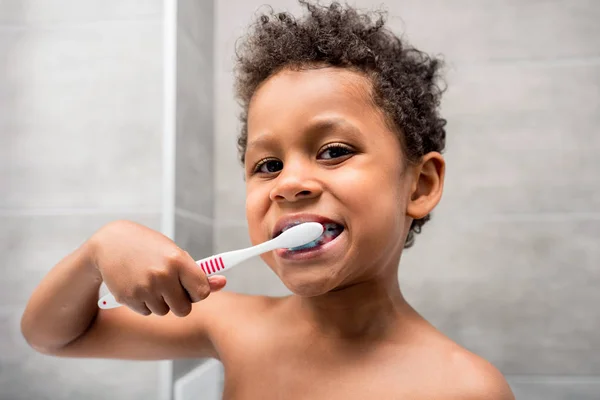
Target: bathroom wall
point(80, 145)
point(514, 275)
point(194, 157)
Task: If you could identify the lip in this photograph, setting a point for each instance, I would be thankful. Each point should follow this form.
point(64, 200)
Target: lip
point(299, 219)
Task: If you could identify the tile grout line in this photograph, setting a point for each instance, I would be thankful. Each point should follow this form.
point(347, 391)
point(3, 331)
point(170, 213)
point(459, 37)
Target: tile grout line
point(39, 25)
point(518, 217)
point(534, 378)
point(54, 212)
point(568, 61)
point(169, 37)
point(201, 219)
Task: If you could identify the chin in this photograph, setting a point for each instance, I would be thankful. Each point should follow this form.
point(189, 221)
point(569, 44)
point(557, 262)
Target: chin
point(307, 283)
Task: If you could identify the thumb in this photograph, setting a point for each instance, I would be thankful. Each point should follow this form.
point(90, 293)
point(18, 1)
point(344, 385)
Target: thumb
point(217, 282)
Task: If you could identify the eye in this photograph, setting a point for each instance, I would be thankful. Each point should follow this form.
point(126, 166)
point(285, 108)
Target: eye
point(335, 150)
point(268, 166)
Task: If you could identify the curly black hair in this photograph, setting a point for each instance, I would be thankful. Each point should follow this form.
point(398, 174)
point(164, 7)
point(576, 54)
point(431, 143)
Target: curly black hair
point(405, 81)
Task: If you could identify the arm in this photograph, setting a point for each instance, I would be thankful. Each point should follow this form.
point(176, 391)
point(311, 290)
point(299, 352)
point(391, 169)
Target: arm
point(62, 317)
point(63, 305)
point(123, 334)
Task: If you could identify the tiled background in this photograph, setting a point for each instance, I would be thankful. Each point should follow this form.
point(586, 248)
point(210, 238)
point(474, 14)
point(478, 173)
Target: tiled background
point(194, 156)
point(80, 145)
point(516, 270)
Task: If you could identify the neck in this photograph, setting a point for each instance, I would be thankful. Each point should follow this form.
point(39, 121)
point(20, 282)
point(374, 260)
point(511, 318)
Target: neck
point(370, 309)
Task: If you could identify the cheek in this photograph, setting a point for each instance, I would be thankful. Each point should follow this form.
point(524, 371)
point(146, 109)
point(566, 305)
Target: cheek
point(376, 204)
point(371, 189)
point(257, 202)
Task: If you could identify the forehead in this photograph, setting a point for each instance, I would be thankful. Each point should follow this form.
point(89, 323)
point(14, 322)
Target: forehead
point(293, 98)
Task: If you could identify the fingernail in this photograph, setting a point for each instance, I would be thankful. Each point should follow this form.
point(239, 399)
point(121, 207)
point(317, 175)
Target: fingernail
point(214, 281)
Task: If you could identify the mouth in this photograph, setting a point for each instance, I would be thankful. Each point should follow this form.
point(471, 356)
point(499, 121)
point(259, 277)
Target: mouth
point(331, 230)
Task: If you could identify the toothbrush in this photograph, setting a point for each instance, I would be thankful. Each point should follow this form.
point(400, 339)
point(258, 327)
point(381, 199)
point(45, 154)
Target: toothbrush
point(296, 236)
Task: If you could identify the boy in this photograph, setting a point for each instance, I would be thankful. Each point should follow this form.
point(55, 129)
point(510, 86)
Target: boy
point(339, 126)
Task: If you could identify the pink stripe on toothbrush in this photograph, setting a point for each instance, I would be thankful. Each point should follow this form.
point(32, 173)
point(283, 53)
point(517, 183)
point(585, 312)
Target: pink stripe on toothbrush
point(221, 262)
point(212, 267)
point(202, 266)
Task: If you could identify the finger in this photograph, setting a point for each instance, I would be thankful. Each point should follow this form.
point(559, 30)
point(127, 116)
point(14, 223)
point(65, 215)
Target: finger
point(217, 282)
point(158, 305)
point(139, 307)
point(176, 298)
point(194, 280)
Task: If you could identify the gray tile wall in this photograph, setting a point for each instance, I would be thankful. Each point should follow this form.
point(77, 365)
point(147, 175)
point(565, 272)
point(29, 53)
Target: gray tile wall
point(80, 145)
point(194, 193)
point(516, 270)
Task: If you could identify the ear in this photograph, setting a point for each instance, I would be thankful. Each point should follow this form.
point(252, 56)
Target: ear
point(427, 186)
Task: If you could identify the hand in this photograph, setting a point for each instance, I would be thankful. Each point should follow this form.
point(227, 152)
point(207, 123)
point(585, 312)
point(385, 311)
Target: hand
point(148, 272)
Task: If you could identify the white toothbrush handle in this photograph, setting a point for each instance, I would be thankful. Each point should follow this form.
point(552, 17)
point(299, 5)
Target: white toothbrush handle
point(222, 262)
point(108, 301)
point(211, 265)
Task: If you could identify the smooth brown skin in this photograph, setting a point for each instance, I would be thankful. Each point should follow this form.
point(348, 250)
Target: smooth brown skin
point(345, 333)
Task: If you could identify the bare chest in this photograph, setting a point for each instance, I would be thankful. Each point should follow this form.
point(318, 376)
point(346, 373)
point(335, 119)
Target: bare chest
point(315, 378)
point(299, 364)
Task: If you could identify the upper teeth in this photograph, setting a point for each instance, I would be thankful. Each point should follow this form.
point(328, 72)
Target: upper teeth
point(326, 226)
point(290, 226)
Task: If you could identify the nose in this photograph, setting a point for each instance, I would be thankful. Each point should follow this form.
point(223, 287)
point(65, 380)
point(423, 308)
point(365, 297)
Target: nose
point(294, 183)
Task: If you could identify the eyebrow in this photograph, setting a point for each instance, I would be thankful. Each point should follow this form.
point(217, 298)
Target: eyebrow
point(262, 141)
point(333, 124)
point(318, 127)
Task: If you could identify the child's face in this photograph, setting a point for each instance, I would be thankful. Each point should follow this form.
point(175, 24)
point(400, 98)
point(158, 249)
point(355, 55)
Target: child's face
point(325, 153)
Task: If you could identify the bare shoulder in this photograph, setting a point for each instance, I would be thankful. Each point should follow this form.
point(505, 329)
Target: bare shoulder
point(452, 372)
point(474, 378)
point(223, 312)
point(224, 306)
